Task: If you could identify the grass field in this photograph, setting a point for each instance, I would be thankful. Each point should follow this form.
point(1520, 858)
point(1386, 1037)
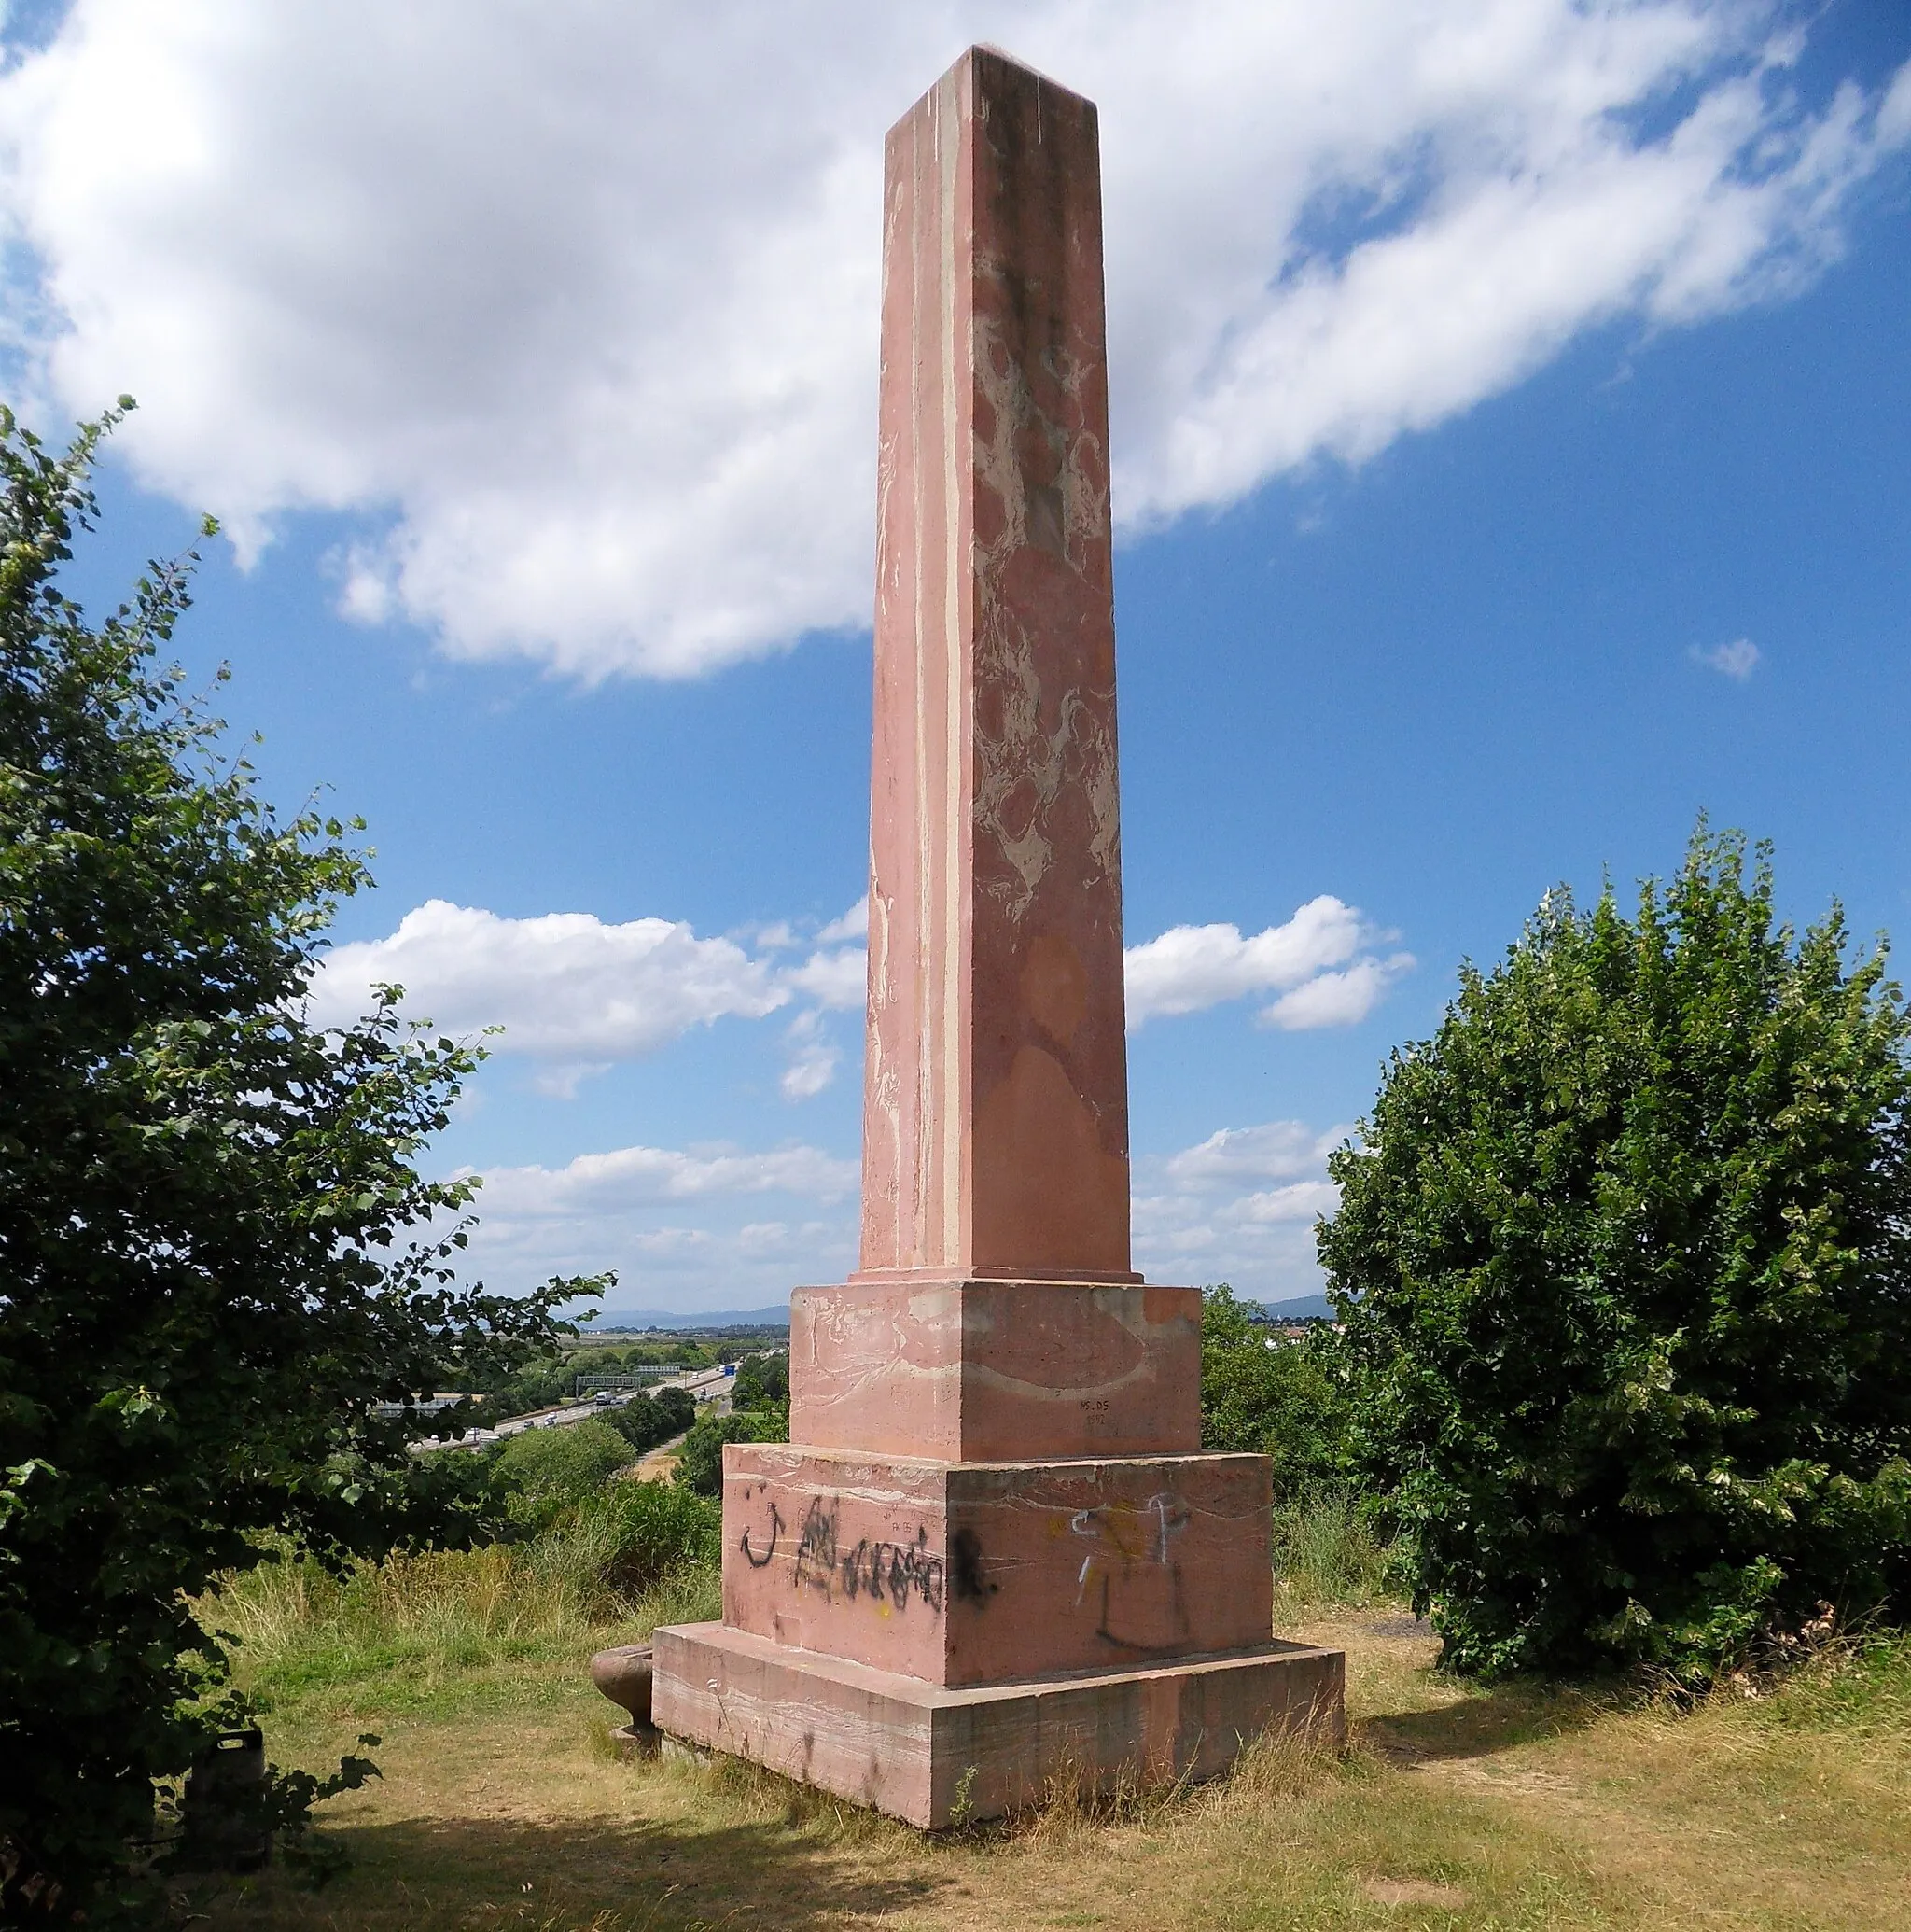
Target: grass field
point(503, 1806)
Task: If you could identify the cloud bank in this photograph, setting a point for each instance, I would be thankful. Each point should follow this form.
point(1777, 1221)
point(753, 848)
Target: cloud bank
point(683, 1228)
point(1238, 1207)
point(726, 1226)
point(575, 995)
point(574, 304)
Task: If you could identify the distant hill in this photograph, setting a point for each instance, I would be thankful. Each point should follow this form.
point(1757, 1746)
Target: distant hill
point(1304, 1308)
point(679, 1323)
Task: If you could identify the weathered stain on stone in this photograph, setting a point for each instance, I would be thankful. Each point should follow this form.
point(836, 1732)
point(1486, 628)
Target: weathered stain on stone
point(994, 802)
point(993, 1554)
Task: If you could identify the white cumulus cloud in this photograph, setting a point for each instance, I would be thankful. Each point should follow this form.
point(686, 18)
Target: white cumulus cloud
point(812, 1058)
point(574, 304)
point(630, 1177)
point(1299, 1200)
point(1207, 1214)
point(683, 1228)
point(577, 995)
point(837, 979)
point(853, 924)
point(1190, 968)
point(1342, 999)
point(1276, 1151)
point(568, 989)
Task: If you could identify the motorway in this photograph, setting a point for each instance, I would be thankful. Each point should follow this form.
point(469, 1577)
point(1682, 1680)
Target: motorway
point(705, 1384)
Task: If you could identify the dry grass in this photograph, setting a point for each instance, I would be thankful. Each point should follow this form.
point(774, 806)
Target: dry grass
point(433, 1633)
point(503, 1807)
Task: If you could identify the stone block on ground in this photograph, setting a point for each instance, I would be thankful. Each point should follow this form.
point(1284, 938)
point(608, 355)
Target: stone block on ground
point(935, 1757)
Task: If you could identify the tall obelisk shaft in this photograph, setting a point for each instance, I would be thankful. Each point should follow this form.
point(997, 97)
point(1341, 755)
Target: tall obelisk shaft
point(996, 1114)
point(991, 1560)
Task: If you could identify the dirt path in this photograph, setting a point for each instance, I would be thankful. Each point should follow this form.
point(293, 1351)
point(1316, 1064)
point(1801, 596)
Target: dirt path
point(660, 1464)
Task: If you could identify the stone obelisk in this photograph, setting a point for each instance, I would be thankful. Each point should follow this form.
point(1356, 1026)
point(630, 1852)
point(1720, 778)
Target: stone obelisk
point(991, 1555)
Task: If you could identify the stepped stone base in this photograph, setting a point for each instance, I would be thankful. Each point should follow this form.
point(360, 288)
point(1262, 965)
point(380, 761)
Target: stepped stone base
point(934, 1757)
point(974, 1370)
point(980, 1572)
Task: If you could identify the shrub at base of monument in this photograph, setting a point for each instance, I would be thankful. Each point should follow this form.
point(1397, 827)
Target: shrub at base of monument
point(1624, 1249)
point(1296, 1402)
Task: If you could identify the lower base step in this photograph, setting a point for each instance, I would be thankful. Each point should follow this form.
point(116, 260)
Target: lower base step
point(935, 1757)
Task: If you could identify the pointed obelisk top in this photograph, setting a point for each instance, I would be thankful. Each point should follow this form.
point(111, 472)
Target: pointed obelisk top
point(996, 1118)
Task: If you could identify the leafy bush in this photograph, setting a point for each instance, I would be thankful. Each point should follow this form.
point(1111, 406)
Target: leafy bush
point(1293, 1401)
point(646, 1532)
point(215, 1256)
point(1328, 1548)
point(414, 1623)
point(699, 1461)
point(761, 1381)
point(1627, 1254)
point(645, 1421)
point(677, 1408)
point(543, 1471)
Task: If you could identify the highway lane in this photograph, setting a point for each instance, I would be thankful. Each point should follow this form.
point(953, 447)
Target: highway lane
point(703, 1384)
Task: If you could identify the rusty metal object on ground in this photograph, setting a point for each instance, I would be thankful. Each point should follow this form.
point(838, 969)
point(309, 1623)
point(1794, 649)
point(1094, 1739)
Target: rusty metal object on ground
point(622, 1674)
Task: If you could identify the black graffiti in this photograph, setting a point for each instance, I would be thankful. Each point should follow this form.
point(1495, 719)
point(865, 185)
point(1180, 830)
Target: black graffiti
point(895, 1571)
point(750, 1557)
point(816, 1549)
point(899, 1574)
point(967, 1582)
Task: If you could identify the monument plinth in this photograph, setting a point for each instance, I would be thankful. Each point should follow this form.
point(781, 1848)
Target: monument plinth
point(991, 1554)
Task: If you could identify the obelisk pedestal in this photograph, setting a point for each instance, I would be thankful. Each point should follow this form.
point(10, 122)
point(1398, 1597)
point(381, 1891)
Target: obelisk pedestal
point(992, 1555)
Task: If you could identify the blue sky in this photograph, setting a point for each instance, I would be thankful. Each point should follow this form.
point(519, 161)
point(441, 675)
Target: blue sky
point(1499, 490)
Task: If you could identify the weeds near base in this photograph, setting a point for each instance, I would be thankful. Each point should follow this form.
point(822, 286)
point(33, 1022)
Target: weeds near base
point(1279, 1763)
point(1326, 1550)
point(436, 1613)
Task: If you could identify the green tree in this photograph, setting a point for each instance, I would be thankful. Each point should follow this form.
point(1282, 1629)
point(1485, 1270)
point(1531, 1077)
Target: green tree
point(540, 1472)
point(645, 1420)
point(215, 1255)
point(699, 1461)
point(761, 1381)
point(677, 1410)
point(654, 1530)
point(1626, 1253)
point(1291, 1401)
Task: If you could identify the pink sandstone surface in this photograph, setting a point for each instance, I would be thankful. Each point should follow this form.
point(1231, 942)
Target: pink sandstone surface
point(987, 1572)
point(995, 1096)
point(979, 1371)
point(935, 1757)
point(992, 1551)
